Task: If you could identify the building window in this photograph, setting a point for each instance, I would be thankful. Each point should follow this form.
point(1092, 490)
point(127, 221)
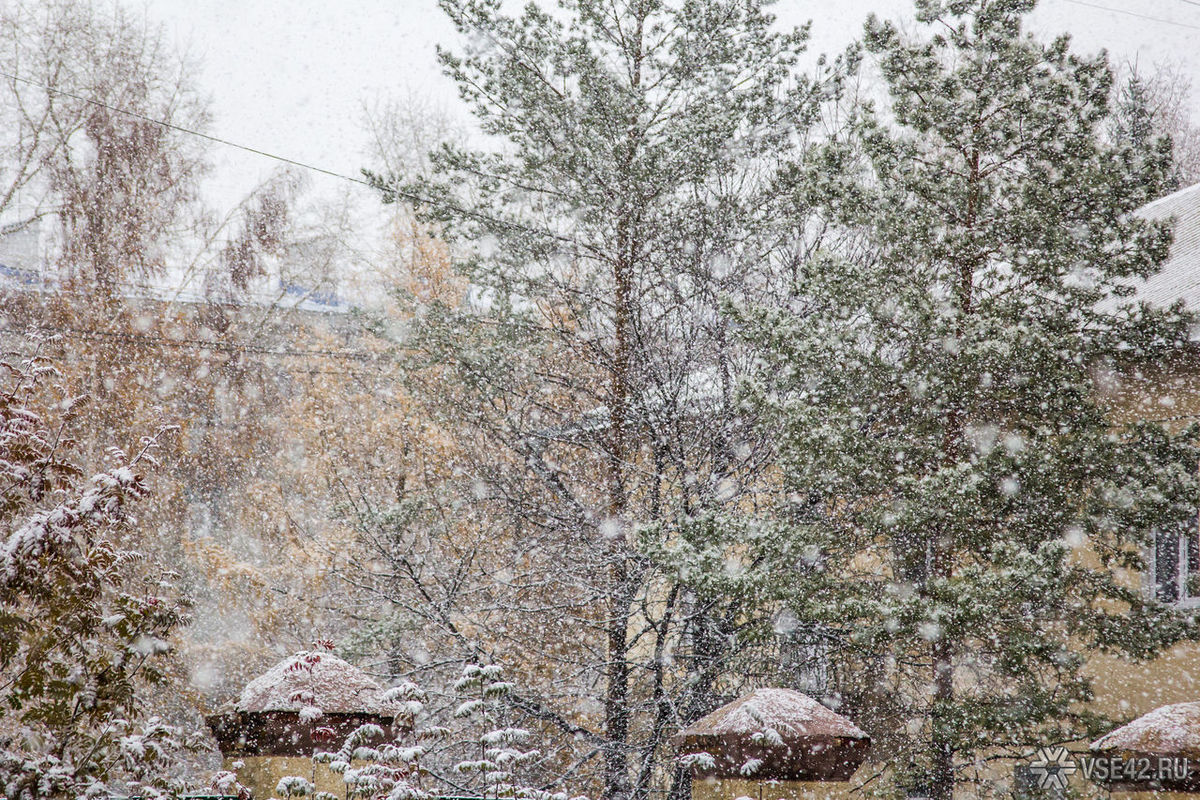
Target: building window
point(1175, 565)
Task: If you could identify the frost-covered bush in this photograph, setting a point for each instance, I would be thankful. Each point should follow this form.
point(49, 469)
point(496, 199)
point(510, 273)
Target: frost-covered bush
point(85, 621)
point(499, 752)
point(499, 749)
point(416, 758)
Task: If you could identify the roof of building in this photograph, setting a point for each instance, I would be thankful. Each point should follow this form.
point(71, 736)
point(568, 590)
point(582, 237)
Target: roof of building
point(1172, 730)
point(299, 682)
point(1179, 278)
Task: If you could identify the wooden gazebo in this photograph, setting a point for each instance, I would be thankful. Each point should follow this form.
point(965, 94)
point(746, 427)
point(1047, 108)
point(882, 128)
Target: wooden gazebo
point(774, 735)
point(307, 702)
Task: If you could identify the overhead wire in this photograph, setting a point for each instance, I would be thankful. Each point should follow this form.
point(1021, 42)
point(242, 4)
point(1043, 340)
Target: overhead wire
point(188, 131)
point(410, 196)
point(1136, 14)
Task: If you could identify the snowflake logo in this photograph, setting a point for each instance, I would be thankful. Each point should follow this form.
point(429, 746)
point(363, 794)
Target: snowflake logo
point(1051, 767)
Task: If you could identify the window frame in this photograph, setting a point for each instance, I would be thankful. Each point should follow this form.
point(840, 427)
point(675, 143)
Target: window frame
point(1186, 566)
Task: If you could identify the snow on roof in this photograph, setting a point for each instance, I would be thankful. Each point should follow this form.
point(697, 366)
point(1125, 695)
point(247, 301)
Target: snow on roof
point(787, 712)
point(331, 685)
point(1179, 278)
point(1169, 730)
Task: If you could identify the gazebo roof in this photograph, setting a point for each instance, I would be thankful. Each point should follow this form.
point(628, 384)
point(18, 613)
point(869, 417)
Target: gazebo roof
point(1171, 734)
point(788, 712)
point(1172, 730)
point(328, 683)
point(775, 734)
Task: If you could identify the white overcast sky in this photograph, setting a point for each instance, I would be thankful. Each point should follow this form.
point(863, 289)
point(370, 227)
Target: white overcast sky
point(291, 76)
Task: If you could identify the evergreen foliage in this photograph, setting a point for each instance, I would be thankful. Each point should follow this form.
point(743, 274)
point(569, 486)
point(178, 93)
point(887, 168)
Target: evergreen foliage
point(630, 177)
point(965, 507)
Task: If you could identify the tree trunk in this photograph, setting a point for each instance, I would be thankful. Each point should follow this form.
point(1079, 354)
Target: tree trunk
point(616, 699)
point(617, 784)
point(942, 787)
point(942, 560)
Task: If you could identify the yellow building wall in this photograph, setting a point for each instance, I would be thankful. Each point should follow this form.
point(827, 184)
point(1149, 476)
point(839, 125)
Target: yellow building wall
point(733, 789)
point(1127, 690)
point(261, 774)
point(1167, 392)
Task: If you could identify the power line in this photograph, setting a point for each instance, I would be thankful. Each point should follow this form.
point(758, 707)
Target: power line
point(411, 197)
point(189, 131)
point(1139, 16)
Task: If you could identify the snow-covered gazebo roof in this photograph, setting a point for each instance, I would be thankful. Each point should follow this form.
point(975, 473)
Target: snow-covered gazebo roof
point(1172, 730)
point(774, 734)
point(329, 684)
point(1169, 732)
point(297, 706)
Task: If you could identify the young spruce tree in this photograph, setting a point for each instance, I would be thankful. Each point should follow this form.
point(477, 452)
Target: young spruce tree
point(961, 510)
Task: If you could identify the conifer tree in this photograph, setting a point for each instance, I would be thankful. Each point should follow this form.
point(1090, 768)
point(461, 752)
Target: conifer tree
point(963, 511)
point(587, 371)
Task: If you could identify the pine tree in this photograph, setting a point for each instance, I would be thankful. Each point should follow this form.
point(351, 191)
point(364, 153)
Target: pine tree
point(1137, 127)
point(1152, 110)
point(960, 507)
point(587, 371)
